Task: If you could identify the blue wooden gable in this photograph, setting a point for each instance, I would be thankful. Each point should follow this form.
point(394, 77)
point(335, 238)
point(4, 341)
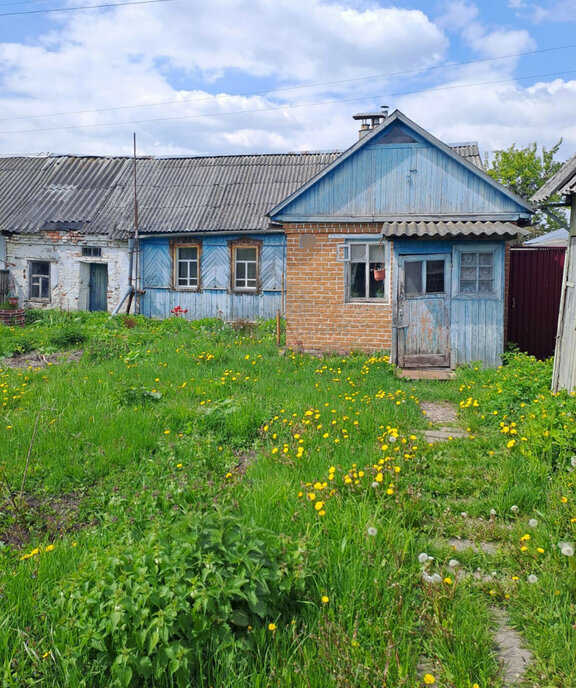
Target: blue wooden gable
point(400, 170)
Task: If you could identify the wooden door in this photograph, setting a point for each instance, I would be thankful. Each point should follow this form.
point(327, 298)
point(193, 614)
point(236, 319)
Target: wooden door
point(98, 287)
point(423, 311)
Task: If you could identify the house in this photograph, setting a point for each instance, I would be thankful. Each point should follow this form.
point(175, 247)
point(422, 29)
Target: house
point(58, 219)
point(558, 238)
point(402, 201)
point(205, 241)
point(398, 243)
point(563, 183)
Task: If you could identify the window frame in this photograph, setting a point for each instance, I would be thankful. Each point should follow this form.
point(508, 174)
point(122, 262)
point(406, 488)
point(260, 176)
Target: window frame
point(176, 263)
point(497, 276)
point(31, 285)
point(91, 252)
point(235, 247)
point(346, 252)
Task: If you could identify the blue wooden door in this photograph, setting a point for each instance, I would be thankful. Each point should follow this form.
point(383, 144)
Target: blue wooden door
point(423, 317)
point(98, 287)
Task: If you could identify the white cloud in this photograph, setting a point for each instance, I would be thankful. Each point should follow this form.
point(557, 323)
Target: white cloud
point(499, 115)
point(554, 11)
point(208, 55)
point(462, 17)
point(457, 15)
point(178, 51)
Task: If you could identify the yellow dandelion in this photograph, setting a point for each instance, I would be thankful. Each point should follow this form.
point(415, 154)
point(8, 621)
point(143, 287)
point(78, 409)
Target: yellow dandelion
point(325, 599)
point(428, 679)
point(272, 627)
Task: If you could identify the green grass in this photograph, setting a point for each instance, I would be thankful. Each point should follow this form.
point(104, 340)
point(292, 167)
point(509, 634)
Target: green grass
point(316, 474)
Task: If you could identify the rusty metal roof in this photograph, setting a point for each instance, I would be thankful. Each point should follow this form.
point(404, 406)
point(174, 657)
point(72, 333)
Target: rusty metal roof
point(95, 195)
point(563, 182)
point(450, 229)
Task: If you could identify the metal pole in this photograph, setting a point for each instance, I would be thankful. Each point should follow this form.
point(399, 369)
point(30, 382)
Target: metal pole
point(136, 236)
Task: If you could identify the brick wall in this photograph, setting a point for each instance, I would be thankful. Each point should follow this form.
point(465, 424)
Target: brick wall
point(68, 268)
point(318, 318)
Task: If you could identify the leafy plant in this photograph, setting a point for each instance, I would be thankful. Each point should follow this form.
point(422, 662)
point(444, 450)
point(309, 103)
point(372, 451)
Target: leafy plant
point(169, 607)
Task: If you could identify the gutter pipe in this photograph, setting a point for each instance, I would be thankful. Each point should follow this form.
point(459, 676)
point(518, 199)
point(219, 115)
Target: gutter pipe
point(130, 288)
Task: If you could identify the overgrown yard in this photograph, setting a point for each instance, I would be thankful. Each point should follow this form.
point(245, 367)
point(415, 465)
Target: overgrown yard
point(184, 505)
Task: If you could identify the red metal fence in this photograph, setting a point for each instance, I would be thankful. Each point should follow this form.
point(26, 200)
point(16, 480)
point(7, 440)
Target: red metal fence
point(534, 298)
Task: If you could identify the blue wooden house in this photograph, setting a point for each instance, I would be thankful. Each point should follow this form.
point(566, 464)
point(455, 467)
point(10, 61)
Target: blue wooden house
point(206, 243)
point(400, 244)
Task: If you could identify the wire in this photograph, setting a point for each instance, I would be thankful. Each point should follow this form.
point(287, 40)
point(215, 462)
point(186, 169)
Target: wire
point(84, 7)
point(22, 2)
point(289, 88)
point(288, 107)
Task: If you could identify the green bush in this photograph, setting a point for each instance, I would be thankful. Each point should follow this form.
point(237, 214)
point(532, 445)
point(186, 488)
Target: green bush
point(168, 608)
point(67, 336)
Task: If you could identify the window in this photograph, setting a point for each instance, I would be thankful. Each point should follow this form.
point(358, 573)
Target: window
point(187, 260)
point(245, 268)
point(363, 260)
point(39, 280)
point(91, 252)
point(477, 272)
point(424, 277)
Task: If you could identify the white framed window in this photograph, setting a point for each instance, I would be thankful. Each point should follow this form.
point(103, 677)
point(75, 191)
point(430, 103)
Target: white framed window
point(39, 280)
point(187, 266)
point(366, 271)
point(476, 275)
point(245, 265)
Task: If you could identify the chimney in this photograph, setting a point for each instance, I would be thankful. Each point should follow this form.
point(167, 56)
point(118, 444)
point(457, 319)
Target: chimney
point(370, 120)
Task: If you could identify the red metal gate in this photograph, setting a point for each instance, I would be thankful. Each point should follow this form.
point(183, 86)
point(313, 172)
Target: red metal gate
point(534, 298)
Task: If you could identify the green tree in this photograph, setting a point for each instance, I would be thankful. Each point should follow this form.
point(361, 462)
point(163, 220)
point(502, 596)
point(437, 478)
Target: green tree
point(523, 171)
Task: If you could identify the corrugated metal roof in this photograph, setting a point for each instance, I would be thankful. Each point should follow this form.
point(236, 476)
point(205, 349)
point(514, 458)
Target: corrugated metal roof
point(563, 182)
point(469, 151)
point(448, 229)
point(19, 177)
point(200, 194)
point(227, 193)
point(558, 237)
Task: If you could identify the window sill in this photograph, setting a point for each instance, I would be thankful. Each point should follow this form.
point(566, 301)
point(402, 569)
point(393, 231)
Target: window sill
point(368, 302)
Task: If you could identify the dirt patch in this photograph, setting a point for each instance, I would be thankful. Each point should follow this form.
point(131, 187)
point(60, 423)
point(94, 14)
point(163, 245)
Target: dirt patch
point(462, 544)
point(38, 360)
point(245, 459)
point(439, 412)
point(37, 518)
point(514, 659)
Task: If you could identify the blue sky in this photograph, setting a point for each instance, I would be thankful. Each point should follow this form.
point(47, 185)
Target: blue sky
point(250, 76)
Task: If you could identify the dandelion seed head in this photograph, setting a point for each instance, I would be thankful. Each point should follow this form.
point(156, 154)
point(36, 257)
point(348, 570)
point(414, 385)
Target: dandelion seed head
point(375, 484)
point(436, 578)
point(515, 509)
point(533, 523)
point(532, 578)
point(371, 531)
point(573, 461)
point(567, 550)
point(423, 557)
point(492, 512)
point(453, 563)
